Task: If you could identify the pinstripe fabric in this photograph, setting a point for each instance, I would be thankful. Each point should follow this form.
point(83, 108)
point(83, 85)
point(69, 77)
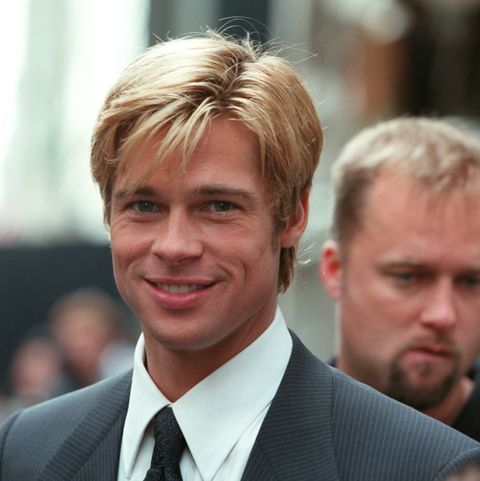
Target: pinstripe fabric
point(74, 437)
point(324, 426)
point(321, 426)
point(3, 438)
point(289, 443)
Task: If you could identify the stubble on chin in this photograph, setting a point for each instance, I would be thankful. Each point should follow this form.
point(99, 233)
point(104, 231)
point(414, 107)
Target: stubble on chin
point(421, 396)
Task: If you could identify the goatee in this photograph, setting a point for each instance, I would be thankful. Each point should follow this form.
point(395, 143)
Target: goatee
point(420, 396)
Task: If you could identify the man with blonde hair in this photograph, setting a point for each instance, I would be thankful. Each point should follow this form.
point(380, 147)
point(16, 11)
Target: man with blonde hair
point(404, 265)
point(204, 152)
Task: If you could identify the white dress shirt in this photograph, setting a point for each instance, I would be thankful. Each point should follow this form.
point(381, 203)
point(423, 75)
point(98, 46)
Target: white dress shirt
point(220, 417)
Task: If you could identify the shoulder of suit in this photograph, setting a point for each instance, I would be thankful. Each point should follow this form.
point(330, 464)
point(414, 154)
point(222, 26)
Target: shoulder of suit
point(379, 413)
point(30, 438)
point(69, 408)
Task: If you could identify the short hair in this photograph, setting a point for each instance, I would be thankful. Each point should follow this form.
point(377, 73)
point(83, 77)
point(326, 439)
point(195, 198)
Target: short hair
point(179, 86)
point(431, 151)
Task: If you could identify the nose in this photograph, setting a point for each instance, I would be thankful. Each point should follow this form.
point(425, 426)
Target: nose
point(440, 311)
point(177, 241)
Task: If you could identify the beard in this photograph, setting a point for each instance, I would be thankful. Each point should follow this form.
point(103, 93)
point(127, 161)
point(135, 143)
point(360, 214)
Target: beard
point(417, 395)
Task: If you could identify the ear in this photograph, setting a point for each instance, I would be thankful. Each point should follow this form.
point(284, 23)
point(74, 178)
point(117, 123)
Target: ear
point(297, 224)
point(330, 269)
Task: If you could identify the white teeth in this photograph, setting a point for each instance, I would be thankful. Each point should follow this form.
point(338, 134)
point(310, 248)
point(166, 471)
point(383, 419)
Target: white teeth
point(179, 289)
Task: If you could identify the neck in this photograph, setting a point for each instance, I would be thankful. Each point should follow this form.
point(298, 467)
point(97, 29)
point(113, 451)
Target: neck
point(176, 371)
point(179, 372)
point(449, 409)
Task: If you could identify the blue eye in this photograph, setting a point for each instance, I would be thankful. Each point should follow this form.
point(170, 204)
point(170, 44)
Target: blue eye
point(221, 206)
point(144, 206)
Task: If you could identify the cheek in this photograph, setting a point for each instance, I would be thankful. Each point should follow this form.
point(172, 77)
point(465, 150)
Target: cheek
point(247, 244)
point(373, 296)
point(125, 255)
point(120, 277)
point(255, 265)
point(119, 256)
point(374, 319)
point(127, 244)
point(469, 334)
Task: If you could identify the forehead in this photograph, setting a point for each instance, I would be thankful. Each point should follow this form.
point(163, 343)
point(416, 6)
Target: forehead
point(394, 191)
point(401, 214)
point(225, 146)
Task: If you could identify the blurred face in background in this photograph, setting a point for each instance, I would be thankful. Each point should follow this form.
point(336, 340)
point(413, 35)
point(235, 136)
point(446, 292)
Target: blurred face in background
point(83, 333)
point(36, 369)
point(408, 289)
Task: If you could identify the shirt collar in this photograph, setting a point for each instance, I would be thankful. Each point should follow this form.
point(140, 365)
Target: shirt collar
point(224, 404)
point(145, 401)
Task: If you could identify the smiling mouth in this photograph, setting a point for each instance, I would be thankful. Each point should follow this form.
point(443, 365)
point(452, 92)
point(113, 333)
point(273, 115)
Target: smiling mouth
point(181, 288)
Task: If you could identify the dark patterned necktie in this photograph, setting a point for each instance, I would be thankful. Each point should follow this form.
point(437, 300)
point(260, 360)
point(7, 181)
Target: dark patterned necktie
point(169, 445)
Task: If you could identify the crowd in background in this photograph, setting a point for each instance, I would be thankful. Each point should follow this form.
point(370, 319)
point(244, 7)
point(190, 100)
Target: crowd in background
point(86, 338)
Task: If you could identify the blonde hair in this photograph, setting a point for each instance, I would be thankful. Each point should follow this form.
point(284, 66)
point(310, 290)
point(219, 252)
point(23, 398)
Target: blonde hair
point(430, 151)
point(179, 86)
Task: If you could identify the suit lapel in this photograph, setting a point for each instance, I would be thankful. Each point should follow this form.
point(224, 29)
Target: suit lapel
point(92, 451)
point(296, 439)
point(294, 442)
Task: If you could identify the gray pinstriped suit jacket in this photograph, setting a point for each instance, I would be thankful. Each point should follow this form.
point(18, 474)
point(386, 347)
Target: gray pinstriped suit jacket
point(321, 426)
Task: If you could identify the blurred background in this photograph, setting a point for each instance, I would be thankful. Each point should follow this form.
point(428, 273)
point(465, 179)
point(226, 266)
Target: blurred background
point(62, 322)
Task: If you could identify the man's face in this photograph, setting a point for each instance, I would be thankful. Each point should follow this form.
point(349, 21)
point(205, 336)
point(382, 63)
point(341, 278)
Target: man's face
point(195, 254)
point(408, 287)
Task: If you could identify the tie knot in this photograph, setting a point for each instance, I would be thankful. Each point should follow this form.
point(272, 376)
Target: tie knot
point(169, 440)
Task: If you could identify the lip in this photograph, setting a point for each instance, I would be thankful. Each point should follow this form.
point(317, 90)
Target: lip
point(431, 352)
point(179, 293)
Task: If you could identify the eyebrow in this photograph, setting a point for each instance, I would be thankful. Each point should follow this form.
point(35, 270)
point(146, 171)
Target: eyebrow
point(215, 189)
point(144, 190)
point(223, 190)
point(424, 266)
